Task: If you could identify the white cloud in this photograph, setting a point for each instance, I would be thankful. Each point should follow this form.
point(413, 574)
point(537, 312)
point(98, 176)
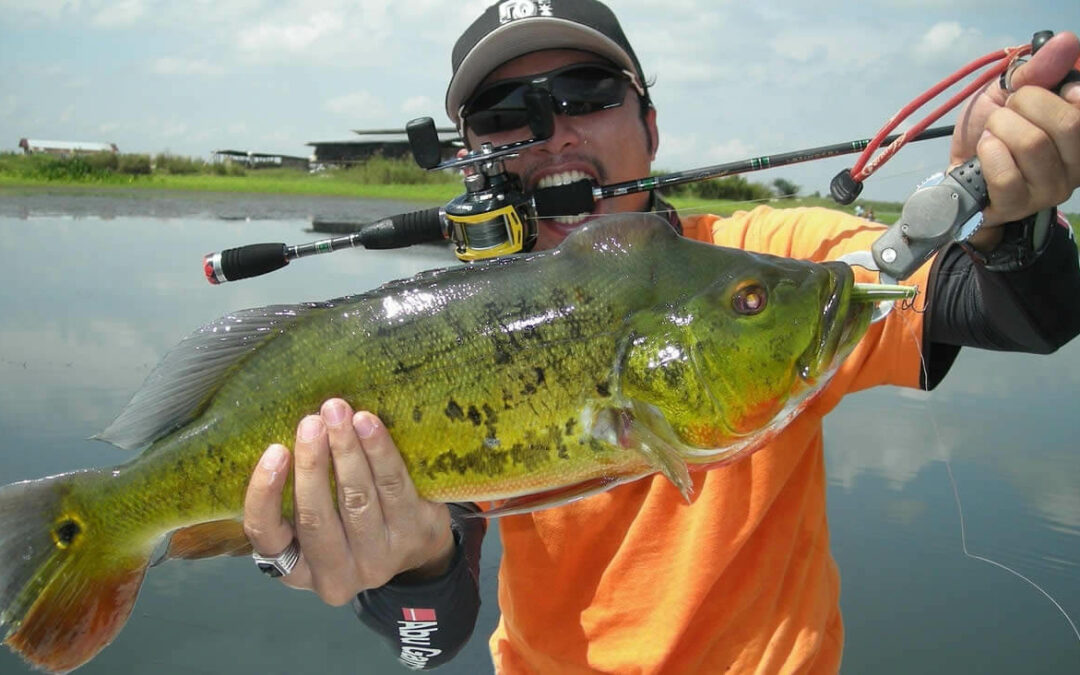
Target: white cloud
point(47, 8)
point(119, 14)
point(357, 105)
point(418, 105)
point(948, 38)
point(177, 66)
point(8, 105)
point(267, 40)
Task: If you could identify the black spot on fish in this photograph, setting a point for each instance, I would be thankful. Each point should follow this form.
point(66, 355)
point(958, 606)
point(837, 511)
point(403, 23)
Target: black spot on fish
point(532, 453)
point(570, 424)
point(603, 389)
point(474, 416)
point(539, 375)
point(489, 414)
point(404, 369)
point(528, 389)
point(386, 418)
point(417, 415)
point(483, 461)
point(66, 533)
point(454, 411)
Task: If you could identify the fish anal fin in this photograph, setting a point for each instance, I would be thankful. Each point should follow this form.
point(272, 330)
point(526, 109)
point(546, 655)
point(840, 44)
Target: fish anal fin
point(76, 616)
point(207, 540)
point(557, 496)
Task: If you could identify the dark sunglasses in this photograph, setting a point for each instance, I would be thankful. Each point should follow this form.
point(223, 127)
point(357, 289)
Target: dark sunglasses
point(577, 89)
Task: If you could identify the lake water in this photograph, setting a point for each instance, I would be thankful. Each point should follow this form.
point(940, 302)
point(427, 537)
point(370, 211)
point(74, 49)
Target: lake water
point(95, 288)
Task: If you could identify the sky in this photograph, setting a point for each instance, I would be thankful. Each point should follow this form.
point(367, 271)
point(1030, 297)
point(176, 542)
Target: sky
point(732, 80)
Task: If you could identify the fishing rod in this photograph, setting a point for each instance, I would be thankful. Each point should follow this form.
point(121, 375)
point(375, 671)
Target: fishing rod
point(494, 217)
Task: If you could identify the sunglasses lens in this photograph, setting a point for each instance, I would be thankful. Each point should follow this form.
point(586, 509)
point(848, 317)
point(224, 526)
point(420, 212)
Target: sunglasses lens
point(576, 90)
point(588, 89)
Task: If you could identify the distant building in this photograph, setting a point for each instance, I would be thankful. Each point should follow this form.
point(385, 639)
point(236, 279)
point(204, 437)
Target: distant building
point(262, 160)
point(66, 148)
point(389, 143)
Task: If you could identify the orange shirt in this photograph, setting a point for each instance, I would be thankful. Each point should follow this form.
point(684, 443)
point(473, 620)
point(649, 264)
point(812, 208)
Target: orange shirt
point(635, 580)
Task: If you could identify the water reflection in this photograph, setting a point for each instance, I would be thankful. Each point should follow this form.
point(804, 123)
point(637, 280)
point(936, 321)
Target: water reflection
point(90, 305)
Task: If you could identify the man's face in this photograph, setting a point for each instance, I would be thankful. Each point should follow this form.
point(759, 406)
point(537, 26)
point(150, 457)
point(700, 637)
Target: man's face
point(609, 146)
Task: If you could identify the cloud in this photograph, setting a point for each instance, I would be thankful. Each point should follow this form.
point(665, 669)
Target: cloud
point(119, 14)
point(419, 105)
point(177, 66)
point(358, 105)
point(8, 105)
point(267, 40)
point(948, 38)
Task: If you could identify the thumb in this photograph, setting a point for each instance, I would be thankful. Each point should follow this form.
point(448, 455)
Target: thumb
point(1050, 65)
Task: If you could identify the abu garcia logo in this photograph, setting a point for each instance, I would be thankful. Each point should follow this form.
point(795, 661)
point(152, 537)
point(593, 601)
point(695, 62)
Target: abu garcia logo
point(512, 10)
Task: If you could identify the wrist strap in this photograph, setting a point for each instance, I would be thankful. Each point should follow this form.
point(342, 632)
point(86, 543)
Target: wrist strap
point(1022, 243)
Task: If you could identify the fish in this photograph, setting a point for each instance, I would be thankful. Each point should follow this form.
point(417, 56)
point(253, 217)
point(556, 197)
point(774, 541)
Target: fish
point(525, 381)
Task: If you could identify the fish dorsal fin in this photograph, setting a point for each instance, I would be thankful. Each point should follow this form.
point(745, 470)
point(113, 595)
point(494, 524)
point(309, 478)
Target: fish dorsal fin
point(176, 390)
point(619, 233)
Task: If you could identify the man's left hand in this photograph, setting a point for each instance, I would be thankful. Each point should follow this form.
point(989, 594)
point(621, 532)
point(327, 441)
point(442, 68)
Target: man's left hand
point(1028, 141)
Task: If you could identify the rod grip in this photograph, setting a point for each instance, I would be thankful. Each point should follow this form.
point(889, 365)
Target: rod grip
point(404, 229)
point(244, 262)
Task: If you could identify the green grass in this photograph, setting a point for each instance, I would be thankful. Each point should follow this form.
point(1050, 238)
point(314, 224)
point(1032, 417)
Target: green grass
point(378, 179)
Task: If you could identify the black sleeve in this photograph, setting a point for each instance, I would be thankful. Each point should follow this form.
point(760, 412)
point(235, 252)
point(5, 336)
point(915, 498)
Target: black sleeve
point(428, 623)
point(1035, 309)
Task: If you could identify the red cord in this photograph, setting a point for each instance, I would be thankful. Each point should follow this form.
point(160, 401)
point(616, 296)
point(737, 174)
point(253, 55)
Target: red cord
point(1001, 59)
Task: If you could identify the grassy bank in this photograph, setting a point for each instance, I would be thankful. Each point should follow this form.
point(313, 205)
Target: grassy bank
point(377, 178)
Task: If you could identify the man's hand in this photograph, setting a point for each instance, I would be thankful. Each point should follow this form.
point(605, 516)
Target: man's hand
point(377, 528)
point(1028, 142)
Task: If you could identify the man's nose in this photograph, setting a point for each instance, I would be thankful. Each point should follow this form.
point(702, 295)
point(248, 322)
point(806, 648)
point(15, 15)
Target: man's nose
point(567, 133)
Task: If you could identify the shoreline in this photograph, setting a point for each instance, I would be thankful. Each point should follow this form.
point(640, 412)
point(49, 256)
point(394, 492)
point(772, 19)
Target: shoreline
point(326, 190)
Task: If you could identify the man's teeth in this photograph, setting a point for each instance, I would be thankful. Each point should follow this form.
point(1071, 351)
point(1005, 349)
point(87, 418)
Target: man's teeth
point(565, 178)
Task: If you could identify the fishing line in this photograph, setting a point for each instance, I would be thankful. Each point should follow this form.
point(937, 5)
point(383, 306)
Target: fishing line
point(963, 532)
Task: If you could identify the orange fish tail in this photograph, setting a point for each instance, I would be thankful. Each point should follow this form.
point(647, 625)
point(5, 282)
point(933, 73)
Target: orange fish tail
point(65, 589)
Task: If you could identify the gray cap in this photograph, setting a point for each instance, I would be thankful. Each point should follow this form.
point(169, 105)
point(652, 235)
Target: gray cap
point(512, 28)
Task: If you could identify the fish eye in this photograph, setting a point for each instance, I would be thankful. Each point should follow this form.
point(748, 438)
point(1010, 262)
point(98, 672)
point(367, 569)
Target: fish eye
point(749, 299)
point(66, 532)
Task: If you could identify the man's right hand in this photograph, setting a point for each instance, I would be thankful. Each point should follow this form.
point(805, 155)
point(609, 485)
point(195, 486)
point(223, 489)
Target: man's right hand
point(377, 528)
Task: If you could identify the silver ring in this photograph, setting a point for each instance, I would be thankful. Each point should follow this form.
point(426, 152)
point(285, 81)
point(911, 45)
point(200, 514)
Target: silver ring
point(279, 565)
point(1005, 81)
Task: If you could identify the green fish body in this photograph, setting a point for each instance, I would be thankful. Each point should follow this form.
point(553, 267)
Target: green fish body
point(626, 351)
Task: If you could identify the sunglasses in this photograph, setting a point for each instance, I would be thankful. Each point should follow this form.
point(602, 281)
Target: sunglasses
point(577, 89)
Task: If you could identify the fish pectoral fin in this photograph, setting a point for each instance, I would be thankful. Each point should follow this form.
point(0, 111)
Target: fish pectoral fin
point(207, 540)
point(557, 496)
point(640, 431)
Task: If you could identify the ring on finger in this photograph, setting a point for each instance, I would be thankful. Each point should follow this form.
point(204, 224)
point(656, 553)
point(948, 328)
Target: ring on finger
point(279, 565)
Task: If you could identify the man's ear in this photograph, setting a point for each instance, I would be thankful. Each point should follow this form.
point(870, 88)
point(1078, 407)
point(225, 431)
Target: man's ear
point(652, 131)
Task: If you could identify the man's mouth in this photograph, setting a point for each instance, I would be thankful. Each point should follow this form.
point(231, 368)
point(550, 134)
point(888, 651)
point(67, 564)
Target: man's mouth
point(565, 178)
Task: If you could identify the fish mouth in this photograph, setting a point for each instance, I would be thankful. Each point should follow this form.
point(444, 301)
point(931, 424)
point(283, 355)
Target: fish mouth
point(848, 308)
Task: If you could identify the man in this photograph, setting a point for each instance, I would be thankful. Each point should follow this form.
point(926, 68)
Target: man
point(634, 579)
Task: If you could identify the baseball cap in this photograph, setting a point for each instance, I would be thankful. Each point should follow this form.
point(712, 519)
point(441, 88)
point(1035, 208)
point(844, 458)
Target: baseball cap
point(512, 28)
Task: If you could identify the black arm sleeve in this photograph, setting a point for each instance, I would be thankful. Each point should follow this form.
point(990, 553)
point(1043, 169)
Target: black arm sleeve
point(428, 623)
point(1034, 310)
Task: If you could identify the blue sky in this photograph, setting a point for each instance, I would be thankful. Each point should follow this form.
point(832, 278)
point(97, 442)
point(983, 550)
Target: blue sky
point(732, 79)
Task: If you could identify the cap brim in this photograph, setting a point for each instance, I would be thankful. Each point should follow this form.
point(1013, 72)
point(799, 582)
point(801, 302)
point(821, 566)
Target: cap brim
point(523, 37)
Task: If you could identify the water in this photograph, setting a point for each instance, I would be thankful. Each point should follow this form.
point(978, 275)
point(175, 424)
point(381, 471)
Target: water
point(95, 289)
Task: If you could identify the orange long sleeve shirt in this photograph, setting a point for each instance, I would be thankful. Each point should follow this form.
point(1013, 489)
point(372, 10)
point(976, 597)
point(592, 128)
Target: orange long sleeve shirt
point(741, 580)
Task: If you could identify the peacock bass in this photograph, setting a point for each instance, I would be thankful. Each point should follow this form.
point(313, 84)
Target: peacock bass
point(529, 381)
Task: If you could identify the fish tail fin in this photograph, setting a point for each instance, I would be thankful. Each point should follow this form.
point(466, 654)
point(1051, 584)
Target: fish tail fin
point(66, 590)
